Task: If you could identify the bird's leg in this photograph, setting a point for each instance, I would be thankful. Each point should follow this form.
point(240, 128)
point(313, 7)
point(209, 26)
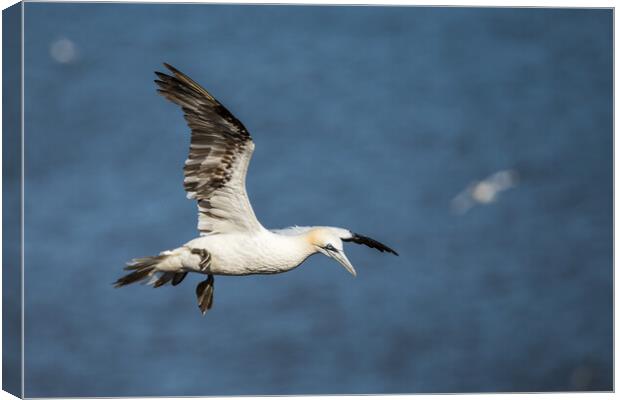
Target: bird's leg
point(204, 293)
point(205, 258)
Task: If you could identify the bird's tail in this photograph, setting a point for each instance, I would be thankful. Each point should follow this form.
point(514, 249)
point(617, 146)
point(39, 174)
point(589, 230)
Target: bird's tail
point(145, 268)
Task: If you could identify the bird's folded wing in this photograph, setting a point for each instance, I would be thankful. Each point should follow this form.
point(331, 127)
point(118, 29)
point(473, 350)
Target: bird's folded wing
point(219, 155)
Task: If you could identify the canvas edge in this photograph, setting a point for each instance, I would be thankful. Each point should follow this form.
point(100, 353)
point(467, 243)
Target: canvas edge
point(12, 372)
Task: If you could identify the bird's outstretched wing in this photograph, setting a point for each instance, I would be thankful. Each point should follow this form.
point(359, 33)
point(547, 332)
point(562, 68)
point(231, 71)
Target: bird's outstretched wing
point(219, 155)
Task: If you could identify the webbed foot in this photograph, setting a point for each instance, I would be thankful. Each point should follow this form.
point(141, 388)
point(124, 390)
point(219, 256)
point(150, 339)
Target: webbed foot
point(204, 293)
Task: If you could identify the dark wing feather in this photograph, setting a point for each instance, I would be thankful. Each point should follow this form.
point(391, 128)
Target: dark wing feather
point(219, 155)
point(365, 240)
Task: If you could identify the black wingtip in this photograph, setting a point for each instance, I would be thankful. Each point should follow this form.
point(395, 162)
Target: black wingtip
point(389, 250)
point(372, 243)
point(170, 67)
point(163, 75)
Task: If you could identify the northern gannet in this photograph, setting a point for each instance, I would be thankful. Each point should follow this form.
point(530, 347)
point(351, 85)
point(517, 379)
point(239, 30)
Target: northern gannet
point(231, 241)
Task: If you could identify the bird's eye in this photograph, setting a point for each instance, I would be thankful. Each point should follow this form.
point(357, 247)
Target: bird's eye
point(330, 248)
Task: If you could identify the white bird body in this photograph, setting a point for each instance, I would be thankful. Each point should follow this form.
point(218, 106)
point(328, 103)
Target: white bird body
point(232, 241)
point(245, 253)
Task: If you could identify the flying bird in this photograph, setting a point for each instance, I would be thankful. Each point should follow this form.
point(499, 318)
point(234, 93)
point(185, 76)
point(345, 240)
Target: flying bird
point(232, 241)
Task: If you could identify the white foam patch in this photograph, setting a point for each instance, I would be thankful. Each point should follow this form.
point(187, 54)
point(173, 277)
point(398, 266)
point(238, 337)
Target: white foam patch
point(63, 51)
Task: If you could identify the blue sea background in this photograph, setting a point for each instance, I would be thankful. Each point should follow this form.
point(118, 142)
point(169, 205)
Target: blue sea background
point(369, 118)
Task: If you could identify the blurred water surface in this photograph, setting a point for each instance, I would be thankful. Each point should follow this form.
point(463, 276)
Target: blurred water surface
point(370, 118)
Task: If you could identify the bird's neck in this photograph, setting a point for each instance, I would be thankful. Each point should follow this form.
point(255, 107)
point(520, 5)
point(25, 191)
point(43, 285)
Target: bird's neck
point(290, 251)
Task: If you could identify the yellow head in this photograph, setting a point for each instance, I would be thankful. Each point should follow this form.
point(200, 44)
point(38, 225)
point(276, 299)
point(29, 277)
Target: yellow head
point(327, 240)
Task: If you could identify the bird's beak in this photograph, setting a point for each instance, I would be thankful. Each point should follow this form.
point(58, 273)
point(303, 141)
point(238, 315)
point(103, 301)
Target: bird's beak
point(342, 259)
